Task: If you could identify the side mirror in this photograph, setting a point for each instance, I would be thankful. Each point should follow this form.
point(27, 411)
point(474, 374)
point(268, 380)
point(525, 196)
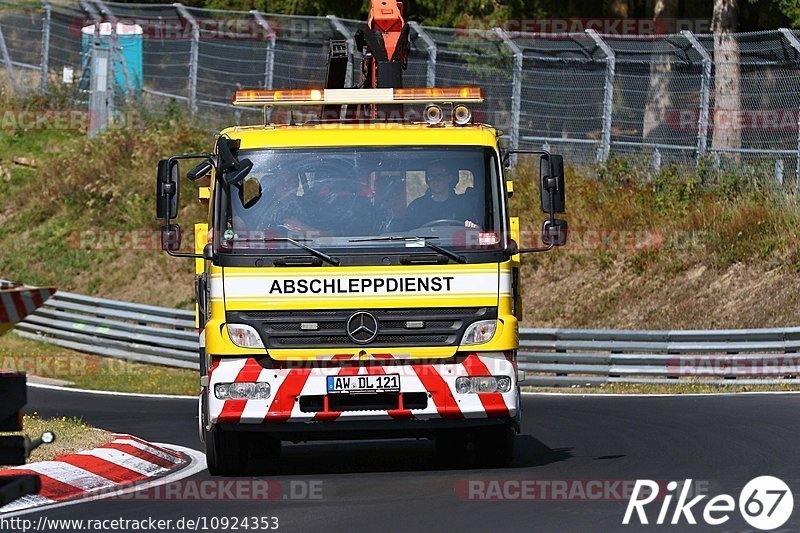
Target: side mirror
point(200, 171)
point(170, 237)
point(233, 177)
point(250, 192)
point(167, 189)
point(554, 232)
point(551, 183)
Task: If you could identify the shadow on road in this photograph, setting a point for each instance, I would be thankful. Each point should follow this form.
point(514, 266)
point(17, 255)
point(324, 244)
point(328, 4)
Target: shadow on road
point(391, 456)
point(530, 451)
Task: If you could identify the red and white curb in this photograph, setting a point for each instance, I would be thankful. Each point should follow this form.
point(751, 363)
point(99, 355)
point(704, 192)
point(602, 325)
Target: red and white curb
point(124, 461)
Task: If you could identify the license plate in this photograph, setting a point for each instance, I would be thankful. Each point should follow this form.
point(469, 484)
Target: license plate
point(380, 383)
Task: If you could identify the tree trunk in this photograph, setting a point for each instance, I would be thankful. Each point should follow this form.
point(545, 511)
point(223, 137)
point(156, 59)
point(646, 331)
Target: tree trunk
point(727, 101)
point(659, 98)
point(615, 8)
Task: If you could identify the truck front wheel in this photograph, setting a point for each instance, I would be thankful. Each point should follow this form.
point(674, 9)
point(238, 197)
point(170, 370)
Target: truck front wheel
point(225, 453)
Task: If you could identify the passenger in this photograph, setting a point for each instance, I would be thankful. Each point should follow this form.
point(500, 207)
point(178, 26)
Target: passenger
point(440, 202)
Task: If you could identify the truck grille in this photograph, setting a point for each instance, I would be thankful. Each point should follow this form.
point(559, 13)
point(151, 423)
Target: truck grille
point(395, 327)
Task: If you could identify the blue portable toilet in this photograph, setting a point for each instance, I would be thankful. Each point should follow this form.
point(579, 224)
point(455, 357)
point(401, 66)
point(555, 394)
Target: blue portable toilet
point(130, 37)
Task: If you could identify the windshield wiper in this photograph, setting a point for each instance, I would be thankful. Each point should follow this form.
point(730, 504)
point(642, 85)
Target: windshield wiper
point(435, 247)
point(297, 242)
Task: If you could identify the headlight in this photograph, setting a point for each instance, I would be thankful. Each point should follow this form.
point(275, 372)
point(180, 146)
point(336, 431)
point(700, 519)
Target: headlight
point(483, 384)
point(480, 332)
point(244, 336)
point(242, 391)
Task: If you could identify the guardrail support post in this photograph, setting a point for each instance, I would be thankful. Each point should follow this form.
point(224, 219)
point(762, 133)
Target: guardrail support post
point(193, 56)
point(269, 61)
point(705, 92)
point(351, 47)
point(516, 90)
point(795, 43)
point(608, 98)
point(430, 47)
point(44, 65)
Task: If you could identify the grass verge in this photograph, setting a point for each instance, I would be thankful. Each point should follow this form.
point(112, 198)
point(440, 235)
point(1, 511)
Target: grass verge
point(92, 372)
point(72, 435)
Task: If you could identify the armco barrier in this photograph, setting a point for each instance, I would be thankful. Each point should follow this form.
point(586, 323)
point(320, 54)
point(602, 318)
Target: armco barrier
point(111, 328)
point(549, 357)
point(567, 357)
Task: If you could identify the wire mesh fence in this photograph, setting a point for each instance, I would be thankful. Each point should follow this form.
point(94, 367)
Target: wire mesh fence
point(695, 100)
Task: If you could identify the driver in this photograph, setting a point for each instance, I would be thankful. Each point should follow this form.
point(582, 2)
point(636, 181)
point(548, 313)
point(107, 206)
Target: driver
point(287, 209)
point(440, 202)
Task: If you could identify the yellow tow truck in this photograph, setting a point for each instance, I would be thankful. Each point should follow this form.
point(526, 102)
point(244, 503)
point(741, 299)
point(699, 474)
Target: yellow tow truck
point(358, 274)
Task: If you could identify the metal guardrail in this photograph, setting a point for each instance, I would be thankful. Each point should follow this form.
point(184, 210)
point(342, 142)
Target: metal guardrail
point(566, 357)
point(111, 328)
point(549, 357)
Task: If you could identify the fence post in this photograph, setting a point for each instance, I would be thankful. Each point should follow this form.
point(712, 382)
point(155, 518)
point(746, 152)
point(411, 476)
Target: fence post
point(269, 62)
point(608, 98)
point(705, 94)
point(430, 46)
point(795, 43)
point(655, 161)
point(103, 95)
point(193, 56)
point(98, 91)
point(516, 90)
point(44, 65)
point(351, 47)
point(116, 48)
point(7, 61)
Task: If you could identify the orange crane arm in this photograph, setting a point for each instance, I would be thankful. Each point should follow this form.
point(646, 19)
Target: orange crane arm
point(386, 16)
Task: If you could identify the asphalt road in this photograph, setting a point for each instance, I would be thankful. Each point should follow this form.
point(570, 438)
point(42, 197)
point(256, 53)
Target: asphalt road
point(721, 442)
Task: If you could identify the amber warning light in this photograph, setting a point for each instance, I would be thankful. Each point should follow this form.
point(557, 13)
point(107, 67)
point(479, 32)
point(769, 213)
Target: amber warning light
point(294, 97)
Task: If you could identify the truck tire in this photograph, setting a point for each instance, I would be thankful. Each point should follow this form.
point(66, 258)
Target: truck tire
point(226, 453)
point(494, 446)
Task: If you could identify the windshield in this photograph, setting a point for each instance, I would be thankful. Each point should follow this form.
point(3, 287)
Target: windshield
point(365, 197)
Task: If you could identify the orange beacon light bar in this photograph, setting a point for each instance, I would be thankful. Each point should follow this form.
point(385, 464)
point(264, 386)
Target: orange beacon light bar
point(295, 97)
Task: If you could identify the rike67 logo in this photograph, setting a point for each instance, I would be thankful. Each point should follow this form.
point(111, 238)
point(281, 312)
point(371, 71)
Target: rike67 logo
point(765, 503)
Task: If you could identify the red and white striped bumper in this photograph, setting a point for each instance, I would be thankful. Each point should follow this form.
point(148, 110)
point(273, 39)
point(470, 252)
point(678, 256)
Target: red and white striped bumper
point(437, 381)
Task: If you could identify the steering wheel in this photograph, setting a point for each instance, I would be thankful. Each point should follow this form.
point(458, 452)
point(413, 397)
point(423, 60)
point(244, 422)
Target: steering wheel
point(443, 222)
point(266, 211)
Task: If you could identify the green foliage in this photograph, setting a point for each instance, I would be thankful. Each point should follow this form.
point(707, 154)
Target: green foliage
point(670, 219)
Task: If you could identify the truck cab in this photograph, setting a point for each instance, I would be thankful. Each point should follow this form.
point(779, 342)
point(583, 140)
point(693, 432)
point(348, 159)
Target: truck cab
point(358, 280)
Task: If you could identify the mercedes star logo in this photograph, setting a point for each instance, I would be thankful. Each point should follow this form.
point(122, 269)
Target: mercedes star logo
point(362, 327)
